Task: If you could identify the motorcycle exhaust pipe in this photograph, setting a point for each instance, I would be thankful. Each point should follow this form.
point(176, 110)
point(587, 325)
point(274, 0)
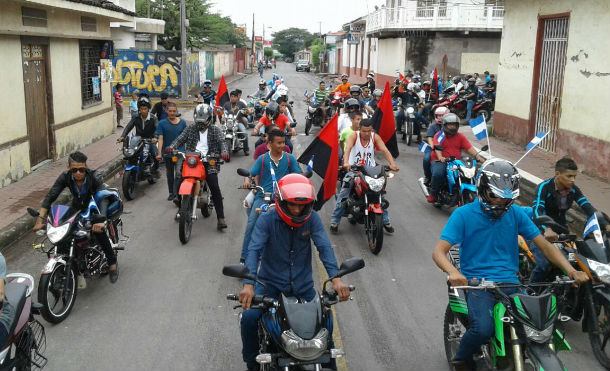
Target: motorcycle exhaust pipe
point(423, 187)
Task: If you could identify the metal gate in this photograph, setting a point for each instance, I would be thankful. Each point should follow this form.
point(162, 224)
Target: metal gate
point(550, 83)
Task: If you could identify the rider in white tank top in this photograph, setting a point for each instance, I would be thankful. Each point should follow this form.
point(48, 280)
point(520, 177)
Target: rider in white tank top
point(360, 152)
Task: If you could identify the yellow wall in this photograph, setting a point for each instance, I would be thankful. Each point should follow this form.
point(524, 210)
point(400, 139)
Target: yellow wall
point(389, 51)
point(583, 106)
point(479, 62)
point(76, 136)
point(12, 120)
point(14, 163)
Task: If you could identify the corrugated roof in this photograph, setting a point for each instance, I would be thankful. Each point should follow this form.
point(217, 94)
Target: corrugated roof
point(105, 5)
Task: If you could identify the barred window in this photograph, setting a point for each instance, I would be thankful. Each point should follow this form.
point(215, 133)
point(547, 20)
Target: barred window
point(91, 92)
point(88, 24)
point(33, 17)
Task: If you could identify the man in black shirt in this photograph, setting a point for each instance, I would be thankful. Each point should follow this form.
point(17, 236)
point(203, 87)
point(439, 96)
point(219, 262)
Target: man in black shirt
point(472, 92)
point(160, 108)
point(234, 106)
point(146, 126)
point(490, 88)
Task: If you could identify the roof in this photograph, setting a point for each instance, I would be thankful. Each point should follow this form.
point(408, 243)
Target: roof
point(338, 33)
point(105, 5)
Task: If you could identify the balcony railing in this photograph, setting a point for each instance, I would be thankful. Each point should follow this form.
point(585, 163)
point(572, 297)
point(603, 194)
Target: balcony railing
point(438, 17)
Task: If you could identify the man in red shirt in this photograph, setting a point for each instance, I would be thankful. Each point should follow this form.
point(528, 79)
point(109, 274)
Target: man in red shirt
point(118, 102)
point(273, 116)
point(263, 148)
point(453, 144)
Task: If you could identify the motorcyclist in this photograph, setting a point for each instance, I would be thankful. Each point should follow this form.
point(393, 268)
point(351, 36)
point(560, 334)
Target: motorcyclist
point(472, 92)
point(207, 95)
point(83, 183)
point(263, 147)
point(274, 116)
point(283, 163)
point(356, 93)
point(8, 310)
point(372, 104)
point(366, 95)
point(262, 91)
point(282, 243)
point(409, 98)
point(234, 106)
point(344, 122)
point(343, 88)
point(434, 128)
point(370, 82)
point(321, 95)
point(554, 197)
point(207, 139)
point(487, 231)
point(453, 144)
point(360, 147)
point(146, 126)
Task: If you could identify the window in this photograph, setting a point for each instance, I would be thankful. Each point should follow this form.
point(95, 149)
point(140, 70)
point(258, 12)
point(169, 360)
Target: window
point(91, 92)
point(425, 8)
point(498, 8)
point(88, 24)
point(34, 17)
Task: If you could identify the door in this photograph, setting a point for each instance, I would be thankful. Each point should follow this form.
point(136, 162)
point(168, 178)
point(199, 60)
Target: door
point(550, 81)
point(35, 88)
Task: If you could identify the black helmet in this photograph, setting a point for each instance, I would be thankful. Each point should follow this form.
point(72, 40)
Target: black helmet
point(472, 80)
point(352, 103)
point(143, 101)
point(497, 178)
point(272, 109)
point(354, 89)
point(456, 79)
point(451, 118)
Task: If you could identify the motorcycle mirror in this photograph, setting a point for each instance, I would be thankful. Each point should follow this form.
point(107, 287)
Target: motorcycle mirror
point(243, 172)
point(350, 265)
point(32, 212)
point(291, 102)
point(547, 221)
point(293, 124)
point(306, 94)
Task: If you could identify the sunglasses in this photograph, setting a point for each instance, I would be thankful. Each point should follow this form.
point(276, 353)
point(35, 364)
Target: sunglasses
point(75, 170)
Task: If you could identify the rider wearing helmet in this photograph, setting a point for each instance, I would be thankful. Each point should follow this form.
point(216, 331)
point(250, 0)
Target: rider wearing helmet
point(409, 98)
point(453, 143)
point(207, 94)
point(207, 139)
point(343, 88)
point(370, 82)
point(434, 128)
point(146, 126)
point(487, 230)
point(472, 92)
point(356, 93)
point(282, 243)
point(274, 116)
point(351, 105)
point(372, 105)
point(262, 91)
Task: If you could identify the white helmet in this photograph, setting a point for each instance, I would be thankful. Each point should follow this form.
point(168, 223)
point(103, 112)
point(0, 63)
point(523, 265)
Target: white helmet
point(411, 86)
point(439, 113)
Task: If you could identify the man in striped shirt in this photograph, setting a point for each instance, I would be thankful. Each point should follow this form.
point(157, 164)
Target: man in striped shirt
point(321, 95)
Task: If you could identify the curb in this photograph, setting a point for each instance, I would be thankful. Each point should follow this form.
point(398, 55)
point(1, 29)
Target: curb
point(24, 223)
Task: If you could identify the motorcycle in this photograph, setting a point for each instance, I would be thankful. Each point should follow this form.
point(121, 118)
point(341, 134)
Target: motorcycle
point(314, 113)
point(409, 129)
point(193, 191)
point(233, 137)
point(295, 335)
point(27, 342)
point(74, 251)
point(336, 103)
point(525, 324)
point(460, 188)
point(365, 203)
point(257, 107)
point(139, 164)
point(457, 104)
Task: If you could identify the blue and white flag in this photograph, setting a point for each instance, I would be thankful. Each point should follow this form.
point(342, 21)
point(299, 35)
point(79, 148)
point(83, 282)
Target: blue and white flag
point(479, 127)
point(310, 163)
point(592, 226)
point(440, 137)
point(273, 179)
point(424, 147)
point(536, 140)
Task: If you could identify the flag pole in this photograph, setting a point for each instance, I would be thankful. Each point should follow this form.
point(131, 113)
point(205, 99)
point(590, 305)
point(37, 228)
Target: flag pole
point(529, 150)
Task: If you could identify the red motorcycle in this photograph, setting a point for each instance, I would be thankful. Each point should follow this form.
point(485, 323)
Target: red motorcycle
point(336, 103)
point(457, 104)
point(193, 192)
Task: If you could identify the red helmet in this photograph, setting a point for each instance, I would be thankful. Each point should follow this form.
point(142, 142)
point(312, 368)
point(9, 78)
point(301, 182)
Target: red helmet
point(296, 189)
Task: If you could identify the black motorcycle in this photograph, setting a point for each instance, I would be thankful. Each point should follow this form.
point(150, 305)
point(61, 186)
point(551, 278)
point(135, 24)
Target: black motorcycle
point(295, 335)
point(314, 113)
point(139, 165)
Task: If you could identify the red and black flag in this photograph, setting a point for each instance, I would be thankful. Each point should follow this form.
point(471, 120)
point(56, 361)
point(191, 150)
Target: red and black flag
point(322, 156)
point(222, 95)
point(384, 122)
point(434, 87)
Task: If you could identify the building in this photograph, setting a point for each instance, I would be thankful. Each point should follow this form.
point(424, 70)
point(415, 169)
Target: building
point(554, 70)
point(419, 35)
point(334, 43)
point(56, 73)
point(303, 55)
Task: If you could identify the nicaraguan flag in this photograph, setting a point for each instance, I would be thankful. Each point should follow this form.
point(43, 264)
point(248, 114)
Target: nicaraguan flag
point(424, 147)
point(440, 136)
point(592, 226)
point(479, 127)
point(273, 178)
point(310, 163)
point(536, 140)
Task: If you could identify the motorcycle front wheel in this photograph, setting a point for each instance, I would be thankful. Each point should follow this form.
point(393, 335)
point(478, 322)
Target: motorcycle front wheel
point(129, 184)
point(409, 132)
point(57, 293)
point(229, 149)
point(308, 123)
point(374, 232)
point(453, 330)
point(599, 335)
point(186, 219)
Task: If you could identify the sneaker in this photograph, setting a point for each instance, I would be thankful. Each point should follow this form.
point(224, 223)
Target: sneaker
point(119, 126)
point(460, 365)
point(242, 261)
point(334, 227)
point(221, 224)
point(82, 282)
point(388, 228)
point(177, 201)
point(427, 182)
point(431, 198)
point(171, 197)
point(114, 275)
point(246, 153)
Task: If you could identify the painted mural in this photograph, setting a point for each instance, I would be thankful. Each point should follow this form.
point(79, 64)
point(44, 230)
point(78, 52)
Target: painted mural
point(149, 71)
point(192, 73)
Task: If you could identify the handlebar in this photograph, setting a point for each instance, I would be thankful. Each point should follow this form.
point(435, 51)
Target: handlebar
point(474, 284)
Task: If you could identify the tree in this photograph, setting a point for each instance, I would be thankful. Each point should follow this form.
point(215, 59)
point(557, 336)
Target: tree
point(268, 53)
point(291, 40)
point(317, 47)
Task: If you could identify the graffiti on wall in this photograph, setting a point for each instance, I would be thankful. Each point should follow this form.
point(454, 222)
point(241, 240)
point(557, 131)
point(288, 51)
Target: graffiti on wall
point(149, 71)
point(192, 73)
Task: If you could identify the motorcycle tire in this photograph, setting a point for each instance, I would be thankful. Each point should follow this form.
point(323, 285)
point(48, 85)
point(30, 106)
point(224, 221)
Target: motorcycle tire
point(50, 284)
point(205, 210)
point(374, 232)
point(229, 146)
point(601, 321)
point(129, 184)
point(186, 221)
point(308, 124)
point(449, 324)
point(409, 132)
point(486, 114)
point(468, 197)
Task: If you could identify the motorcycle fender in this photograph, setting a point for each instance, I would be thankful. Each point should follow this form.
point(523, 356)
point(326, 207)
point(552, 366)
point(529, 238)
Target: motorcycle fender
point(560, 342)
point(602, 295)
point(48, 268)
point(469, 187)
point(498, 340)
point(543, 357)
point(375, 208)
point(132, 167)
point(186, 188)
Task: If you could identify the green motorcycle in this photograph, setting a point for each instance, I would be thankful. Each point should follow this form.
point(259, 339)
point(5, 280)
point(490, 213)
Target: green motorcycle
point(525, 336)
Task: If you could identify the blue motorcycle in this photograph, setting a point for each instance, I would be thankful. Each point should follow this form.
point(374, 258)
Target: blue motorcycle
point(139, 165)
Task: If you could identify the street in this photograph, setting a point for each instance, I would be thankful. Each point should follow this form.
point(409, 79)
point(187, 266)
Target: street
point(168, 309)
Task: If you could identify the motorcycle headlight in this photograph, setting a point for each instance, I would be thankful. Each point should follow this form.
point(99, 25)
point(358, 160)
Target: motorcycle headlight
point(128, 152)
point(538, 336)
point(305, 350)
point(601, 270)
point(468, 172)
point(56, 234)
point(375, 185)
point(311, 109)
point(410, 110)
point(191, 161)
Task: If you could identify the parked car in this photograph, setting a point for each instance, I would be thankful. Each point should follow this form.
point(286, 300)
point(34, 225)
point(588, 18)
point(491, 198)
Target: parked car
point(303, 66)
point(288, 60)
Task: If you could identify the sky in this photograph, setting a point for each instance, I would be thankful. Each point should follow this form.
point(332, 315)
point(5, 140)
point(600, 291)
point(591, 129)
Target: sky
point(278, 15)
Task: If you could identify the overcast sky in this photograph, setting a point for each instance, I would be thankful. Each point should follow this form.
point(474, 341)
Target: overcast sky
point(306, 14)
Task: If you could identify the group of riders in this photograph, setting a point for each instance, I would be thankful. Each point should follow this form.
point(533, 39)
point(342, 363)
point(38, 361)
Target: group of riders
point(276, 246)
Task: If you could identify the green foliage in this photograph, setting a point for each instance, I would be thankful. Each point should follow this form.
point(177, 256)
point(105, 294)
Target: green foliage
point(268, 53)
point(291, 40)
point(204, 27)
point(317, 47)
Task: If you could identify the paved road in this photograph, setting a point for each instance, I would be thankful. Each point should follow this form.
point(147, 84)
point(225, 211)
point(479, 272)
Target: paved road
point(168, 312)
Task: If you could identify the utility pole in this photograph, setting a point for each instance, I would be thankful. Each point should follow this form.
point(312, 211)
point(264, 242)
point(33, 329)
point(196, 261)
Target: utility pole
point(252, 47)
point(183, 91)
point(148, 9)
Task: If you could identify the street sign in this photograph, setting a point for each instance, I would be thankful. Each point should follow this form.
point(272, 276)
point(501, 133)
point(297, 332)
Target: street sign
point(321, 56)
point(258, 38)
point(351, 39)
point(356, 29)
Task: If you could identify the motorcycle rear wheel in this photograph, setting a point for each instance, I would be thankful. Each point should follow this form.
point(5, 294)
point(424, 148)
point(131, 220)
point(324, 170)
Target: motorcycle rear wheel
point(374, 232)
point(52, 285)
point(186, 220)
point(486, 114)
point(129, 184)
point(600, 336)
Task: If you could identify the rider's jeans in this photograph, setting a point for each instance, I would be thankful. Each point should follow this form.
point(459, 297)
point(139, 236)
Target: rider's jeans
point(170, 168)
point(252, 218)
point(340, 206)
point(541, 270)
point(438, 177)
point(426, 163)
point(242, 129)
point(469, 105)
point(481, 329)
point(400, 119)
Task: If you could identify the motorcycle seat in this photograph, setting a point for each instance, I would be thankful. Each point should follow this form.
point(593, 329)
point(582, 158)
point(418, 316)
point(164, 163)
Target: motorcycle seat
point(15, 295)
